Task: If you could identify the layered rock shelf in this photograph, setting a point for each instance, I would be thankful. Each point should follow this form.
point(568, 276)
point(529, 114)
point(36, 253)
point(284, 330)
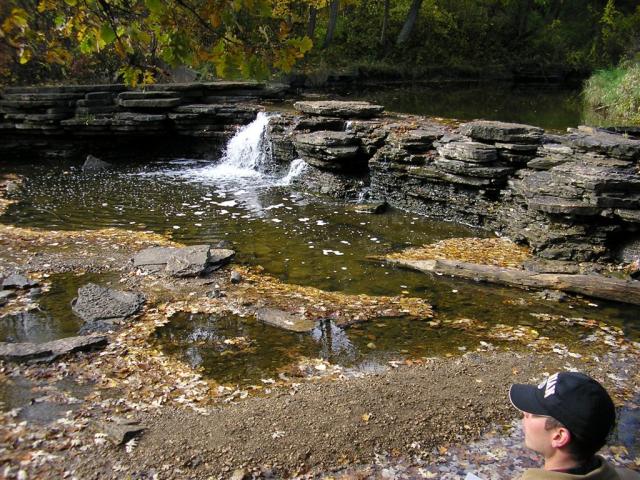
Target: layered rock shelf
point(572, 197)
point(109, 120)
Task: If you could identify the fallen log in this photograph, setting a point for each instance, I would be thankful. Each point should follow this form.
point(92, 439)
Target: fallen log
point(597, 286)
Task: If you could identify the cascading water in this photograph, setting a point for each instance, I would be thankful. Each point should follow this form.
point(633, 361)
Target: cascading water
point(248, 153)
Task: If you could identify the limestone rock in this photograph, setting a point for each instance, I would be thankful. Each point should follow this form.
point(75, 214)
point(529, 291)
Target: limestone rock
point(614, 145)
point(285, 320)
point(182, 262)
point(313, 124)
point(330, 150)
point(334, 108)
point(17, 281)
point(491, 131)
point(49, 351)
point(475, 152)
point(97, 303)
point(473, 169)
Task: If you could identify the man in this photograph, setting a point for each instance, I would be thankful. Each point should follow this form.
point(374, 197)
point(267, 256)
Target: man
point(567, 419)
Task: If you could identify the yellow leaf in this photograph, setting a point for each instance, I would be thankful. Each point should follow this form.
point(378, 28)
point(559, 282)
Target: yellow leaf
point(365, 417)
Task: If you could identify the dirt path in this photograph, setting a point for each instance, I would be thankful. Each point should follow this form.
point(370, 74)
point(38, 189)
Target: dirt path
point(319, 427)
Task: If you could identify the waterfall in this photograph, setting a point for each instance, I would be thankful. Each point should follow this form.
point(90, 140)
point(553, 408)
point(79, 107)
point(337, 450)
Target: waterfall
point(295, 169)
point(248, 153)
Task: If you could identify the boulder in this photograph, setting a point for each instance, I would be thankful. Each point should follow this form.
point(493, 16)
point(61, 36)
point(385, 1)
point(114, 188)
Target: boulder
point(94, 164)
point(49, 351)
point(97, 303)
point(490, 131)
point(333, 108)
point(474, 152)
point(183, 262)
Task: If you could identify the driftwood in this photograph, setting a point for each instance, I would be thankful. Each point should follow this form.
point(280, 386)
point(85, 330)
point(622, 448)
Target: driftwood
point(597, 286)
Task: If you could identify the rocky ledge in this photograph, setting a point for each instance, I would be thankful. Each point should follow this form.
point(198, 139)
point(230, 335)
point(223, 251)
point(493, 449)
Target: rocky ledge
point(572, 197)
point(67, 121)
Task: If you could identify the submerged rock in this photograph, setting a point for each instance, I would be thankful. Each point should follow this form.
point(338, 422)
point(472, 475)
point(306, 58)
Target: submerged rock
point(183, 262)
point(100, 304)
point(94, 164)
point(370, 207)
point(49, 351)
point(286, 320)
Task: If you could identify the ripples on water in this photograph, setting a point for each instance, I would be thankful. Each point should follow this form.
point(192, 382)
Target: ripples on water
point(299, 239)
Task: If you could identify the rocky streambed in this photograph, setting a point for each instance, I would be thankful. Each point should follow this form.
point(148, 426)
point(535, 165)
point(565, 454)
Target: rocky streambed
point(245, 327)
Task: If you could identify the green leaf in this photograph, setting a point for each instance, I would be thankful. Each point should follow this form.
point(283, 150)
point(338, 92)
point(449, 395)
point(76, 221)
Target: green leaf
point(154, 6)
point(71, 3)
point(107, 34)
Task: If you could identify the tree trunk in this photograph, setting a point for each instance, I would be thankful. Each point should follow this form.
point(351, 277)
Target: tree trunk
point(385, 22)
point(333, 19)
point(410, 22)
point(597, 286)
point(311, 26)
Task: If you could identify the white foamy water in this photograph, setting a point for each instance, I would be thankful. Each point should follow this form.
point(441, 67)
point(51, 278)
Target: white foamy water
point(296, 169)
point(246, 161)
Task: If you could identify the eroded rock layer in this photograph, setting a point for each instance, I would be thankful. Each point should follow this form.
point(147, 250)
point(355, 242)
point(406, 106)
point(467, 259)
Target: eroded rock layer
point(570, 197)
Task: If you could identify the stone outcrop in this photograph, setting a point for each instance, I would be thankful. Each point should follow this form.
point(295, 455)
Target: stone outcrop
point(327, 150)
point(189, 261)
point(339, 109)
point(49, 351)
point(71, 121)
point(572, 197)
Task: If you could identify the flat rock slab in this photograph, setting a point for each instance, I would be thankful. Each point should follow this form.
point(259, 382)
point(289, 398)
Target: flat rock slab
point(489, 131)
point(97, 303)
point(334, 108)
point(611, 144)
point(48, 351)
point(473, 152)
point(183, 262)
point(281, 319)
point(18, 281)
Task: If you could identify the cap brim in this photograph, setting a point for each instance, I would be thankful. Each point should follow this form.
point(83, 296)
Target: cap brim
point(525, 399)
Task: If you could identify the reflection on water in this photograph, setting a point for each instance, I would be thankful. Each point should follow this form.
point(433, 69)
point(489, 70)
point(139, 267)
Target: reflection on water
point(232, 349)
point(553, 108)
point(53, 318)
point(296, 238)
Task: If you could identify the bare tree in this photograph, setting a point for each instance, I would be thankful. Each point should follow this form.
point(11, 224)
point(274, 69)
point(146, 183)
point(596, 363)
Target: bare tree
point(311, 26)
point(385, 22)
point(333, 19)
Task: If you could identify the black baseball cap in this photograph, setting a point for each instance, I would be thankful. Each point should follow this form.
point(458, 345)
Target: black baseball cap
point(574, 399)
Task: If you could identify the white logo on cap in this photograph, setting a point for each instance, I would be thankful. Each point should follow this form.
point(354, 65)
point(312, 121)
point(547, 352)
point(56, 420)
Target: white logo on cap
point(549, 385)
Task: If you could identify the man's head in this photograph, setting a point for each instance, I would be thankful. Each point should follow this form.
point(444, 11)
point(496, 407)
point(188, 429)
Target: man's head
point(568, 410)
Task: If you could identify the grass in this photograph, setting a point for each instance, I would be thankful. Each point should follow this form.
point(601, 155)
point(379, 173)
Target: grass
point(614, 95)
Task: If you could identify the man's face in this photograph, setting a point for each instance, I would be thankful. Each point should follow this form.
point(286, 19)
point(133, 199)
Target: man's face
point(536, 436)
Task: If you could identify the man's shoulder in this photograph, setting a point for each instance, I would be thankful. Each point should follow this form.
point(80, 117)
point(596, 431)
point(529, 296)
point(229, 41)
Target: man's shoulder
point(606, 471)
point(626, 474)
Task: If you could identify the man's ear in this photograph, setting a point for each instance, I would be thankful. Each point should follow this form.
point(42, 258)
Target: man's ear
point(560, 438)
